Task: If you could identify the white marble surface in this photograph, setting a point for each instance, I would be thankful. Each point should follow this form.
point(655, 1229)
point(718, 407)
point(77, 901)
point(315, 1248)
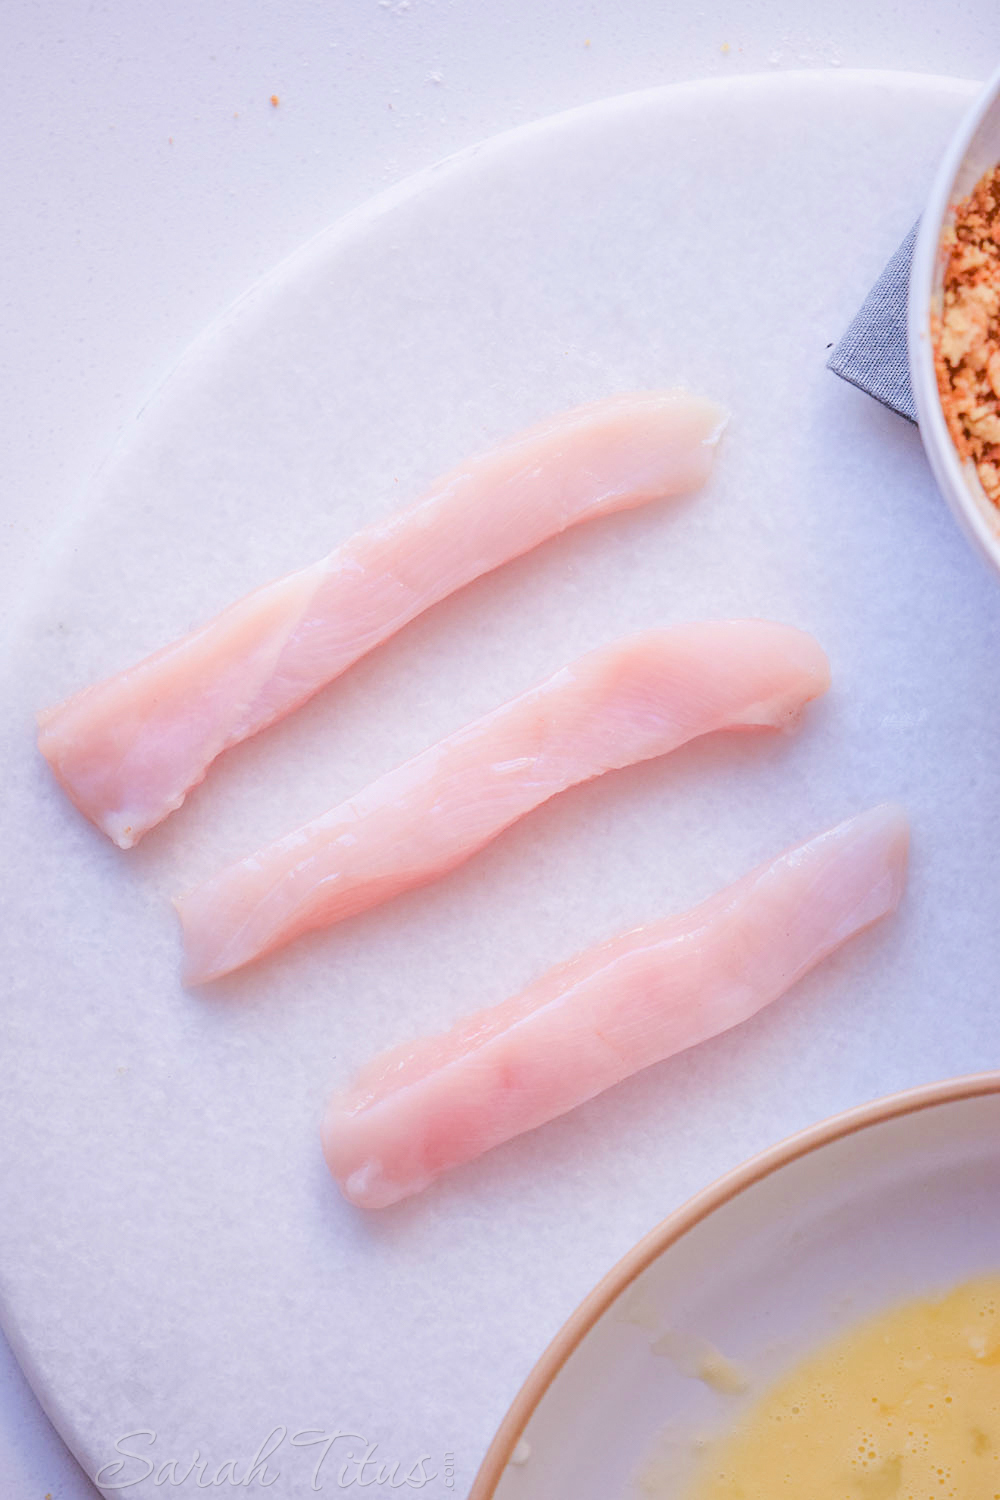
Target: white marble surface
point(150, 181)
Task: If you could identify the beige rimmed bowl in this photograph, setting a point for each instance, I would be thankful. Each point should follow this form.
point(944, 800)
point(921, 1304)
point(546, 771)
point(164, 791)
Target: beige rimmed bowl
point(892, 1199)
point(973, 150)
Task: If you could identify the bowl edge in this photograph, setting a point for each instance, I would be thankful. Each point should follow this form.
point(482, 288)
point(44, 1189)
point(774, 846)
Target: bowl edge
point(686, 1217)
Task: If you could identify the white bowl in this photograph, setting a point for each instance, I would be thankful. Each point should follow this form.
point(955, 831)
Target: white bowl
point(974, 149)
point(893, 1199)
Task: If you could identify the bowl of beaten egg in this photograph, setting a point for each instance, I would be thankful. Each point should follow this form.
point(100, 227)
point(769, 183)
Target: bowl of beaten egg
point(824, 1321)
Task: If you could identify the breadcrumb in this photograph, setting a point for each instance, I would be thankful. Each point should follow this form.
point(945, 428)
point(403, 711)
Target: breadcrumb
point(967, 332)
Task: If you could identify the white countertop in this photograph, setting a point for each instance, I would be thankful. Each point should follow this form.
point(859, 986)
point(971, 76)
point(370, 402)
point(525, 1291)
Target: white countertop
point(151, 180)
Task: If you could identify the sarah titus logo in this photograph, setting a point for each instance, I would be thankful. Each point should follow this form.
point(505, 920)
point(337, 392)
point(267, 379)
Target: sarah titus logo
point(333, 1460)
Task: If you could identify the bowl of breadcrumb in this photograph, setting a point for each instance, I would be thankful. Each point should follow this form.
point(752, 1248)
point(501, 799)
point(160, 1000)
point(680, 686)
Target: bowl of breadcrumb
point(954, 324)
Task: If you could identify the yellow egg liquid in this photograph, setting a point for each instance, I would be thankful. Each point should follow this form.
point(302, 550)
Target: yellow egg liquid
point(904, 1407)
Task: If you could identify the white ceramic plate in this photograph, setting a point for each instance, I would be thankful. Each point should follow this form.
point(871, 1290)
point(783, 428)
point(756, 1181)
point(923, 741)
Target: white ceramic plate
point(898, 1199)
point(173, 1256)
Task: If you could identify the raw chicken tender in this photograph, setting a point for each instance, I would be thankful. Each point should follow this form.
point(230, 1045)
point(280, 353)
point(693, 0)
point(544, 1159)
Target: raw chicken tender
point(128, 750)
point(628, 702)
point(431, 1104)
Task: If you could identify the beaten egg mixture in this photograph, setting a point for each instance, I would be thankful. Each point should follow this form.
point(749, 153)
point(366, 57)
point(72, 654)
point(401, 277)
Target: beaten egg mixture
point(904, 1407)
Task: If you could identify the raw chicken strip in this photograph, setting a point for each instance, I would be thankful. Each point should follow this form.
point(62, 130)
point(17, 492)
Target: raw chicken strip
point(129, 749)
point(434, 1103)
point(638, 698)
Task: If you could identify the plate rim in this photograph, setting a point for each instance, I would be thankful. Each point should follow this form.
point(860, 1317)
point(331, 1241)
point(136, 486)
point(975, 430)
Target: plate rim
point(691, 1213)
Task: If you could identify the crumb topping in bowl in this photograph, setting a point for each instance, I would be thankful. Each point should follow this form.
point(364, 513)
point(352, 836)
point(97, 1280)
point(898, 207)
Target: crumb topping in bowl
point(966, 332)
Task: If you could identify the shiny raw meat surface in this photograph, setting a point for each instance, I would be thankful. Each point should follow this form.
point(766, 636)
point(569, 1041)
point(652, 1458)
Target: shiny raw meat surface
point(432, 1104)
point(628, 702)
point(128, 750)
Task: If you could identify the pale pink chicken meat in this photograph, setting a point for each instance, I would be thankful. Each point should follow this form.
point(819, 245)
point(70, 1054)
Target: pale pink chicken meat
point(129, 749)
point(638, 698)
point(435, 1103)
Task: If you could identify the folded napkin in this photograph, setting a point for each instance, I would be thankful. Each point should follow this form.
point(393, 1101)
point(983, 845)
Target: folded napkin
point(872, 354)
